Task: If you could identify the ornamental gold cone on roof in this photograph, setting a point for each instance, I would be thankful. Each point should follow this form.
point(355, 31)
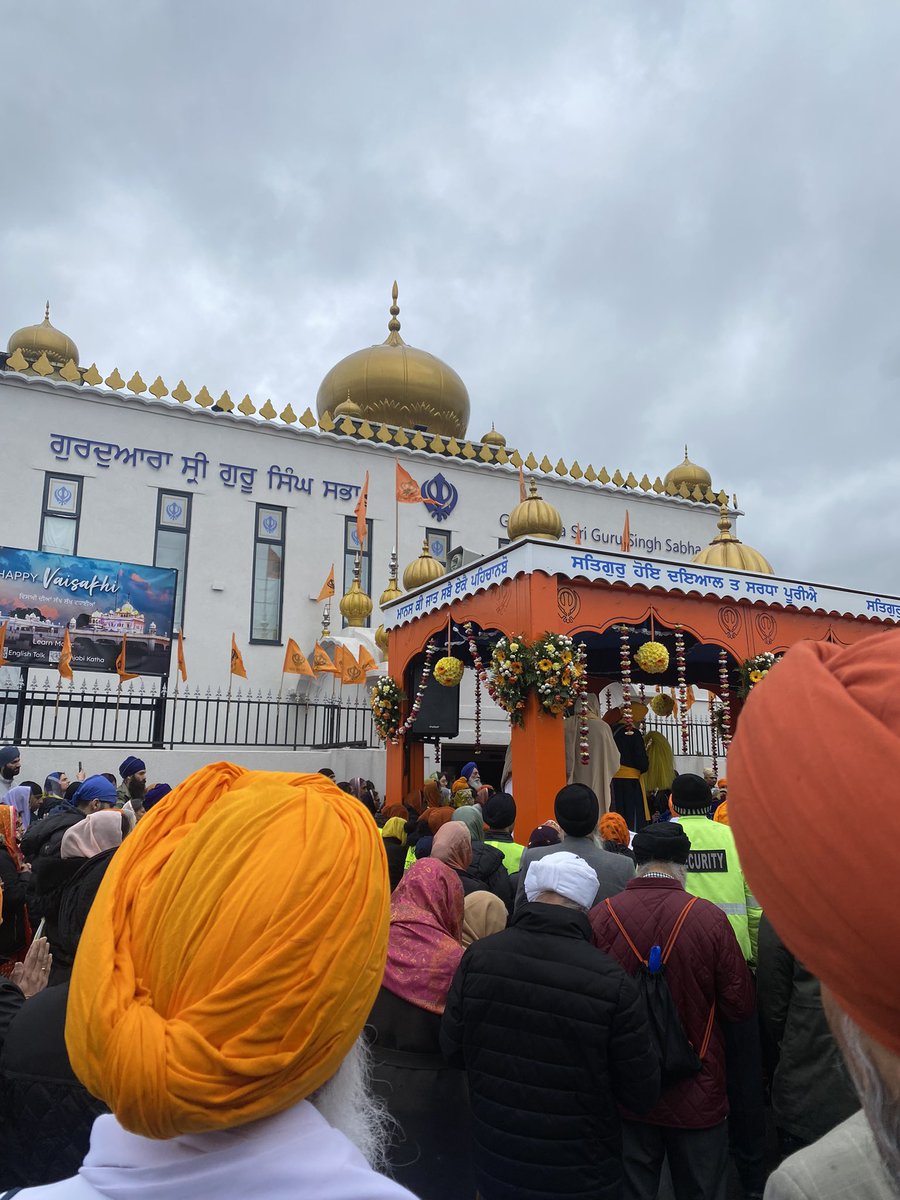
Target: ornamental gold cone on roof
point(356, 606)
point(535, 517)
point(728, 552)
point(381, 639)
point(392, 592)
point(689, 473)
point(35, 340)
point(493, 438)
point(422, 570)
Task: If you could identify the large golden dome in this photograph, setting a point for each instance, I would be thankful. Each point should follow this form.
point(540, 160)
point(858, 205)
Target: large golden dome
point(422, 570)
point(35, 340)
point(398, 385)
point(729, 553)
point(688, 472)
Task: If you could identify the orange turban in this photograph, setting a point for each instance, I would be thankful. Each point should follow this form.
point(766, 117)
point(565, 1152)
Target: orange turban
point(721, 813)
point(822, 732)
point(218, 980)
point(614, 828)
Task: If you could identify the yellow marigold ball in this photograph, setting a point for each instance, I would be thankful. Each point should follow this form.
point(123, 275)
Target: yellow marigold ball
point(448, 671)
point(662, 705)
point(652, 657)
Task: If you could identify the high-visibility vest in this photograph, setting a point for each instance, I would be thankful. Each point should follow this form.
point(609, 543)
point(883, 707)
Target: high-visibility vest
point(512, 852)
point(714, 874)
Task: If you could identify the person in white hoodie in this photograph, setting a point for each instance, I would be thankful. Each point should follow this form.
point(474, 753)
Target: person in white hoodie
point(218, 994)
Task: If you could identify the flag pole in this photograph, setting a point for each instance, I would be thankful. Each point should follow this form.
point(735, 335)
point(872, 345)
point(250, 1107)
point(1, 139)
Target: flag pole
point(281, 686)
point(396, 522)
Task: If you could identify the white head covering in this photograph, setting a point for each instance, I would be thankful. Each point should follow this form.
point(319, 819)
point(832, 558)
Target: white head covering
point(563, 873)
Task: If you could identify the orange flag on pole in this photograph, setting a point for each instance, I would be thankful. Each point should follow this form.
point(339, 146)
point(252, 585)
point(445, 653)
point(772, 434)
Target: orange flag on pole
point(295, 662)
point(408, 491)
point(237, 662)
point(321, 663)
point(64, 666)
point(327, 587)
point(182, 666)
point(626, 533)
point(361, 510)
point(345, 661)
point(522, 493)
point(366, 661)
point(120, 661)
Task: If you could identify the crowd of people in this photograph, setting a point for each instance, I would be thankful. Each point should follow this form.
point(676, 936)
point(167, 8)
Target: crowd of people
point(286, 985)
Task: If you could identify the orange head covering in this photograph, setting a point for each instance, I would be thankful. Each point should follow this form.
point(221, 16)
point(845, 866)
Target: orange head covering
point(434, 818)
point(8, 831)
point(235, 977)
point(721, 814)
point(613, 828)
point(825, 892)
point(432, 793)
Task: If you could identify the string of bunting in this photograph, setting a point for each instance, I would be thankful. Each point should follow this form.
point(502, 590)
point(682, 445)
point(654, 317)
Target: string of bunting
point(681, 663)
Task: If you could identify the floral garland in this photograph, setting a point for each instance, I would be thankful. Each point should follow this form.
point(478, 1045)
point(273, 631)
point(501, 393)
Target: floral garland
point(625, 663)
point(385, 700)
point(511, 671)
point(480, 670)
point(557, 672)
point(754, 671)
point(584, 745)
point(681, 663)
point(477, 711)
point(725, 697)
point(713, 739)
point(430, 652)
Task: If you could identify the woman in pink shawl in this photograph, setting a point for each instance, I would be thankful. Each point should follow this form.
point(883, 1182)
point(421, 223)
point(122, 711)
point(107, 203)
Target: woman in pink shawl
point(410, 1075)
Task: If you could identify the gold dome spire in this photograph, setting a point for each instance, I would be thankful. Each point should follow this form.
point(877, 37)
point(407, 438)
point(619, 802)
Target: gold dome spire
point(348, 408)
point(356, 607)
point(381, 639)
point(392, 592)
point(35, 340)
point(397, 384)
point(493, 438)
point(535, 517)
point(422, 570)
point(729, 553)
point(688, 472)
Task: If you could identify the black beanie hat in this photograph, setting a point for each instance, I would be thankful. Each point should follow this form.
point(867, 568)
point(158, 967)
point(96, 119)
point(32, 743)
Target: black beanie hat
point(499, 811)
point(691, 794)
point(577, 810)
point(663, 842)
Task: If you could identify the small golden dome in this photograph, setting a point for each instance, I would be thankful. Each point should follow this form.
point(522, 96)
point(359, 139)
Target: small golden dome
point(535, 517)
point(356, 607)
point(35, 340)
point(396, 384)
point(493, 438)
point(381, 639)
point(348, 408)
point(689, 473)
point(729, 553)
point(422, 570)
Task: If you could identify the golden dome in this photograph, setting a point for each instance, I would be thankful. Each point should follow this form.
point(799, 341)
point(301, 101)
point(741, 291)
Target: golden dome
point(396, 384)
point(348, 408)
point(35, 340)
point(356, 607)
point(534, 517)
point(689, 473)
point(729, 553)
point(381, 639)
point(422, 570)
point(493, 438)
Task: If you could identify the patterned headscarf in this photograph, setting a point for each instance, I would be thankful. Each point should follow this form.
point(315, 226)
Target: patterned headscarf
point(424, 946)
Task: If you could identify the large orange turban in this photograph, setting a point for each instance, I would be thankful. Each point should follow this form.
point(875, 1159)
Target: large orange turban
point(219, 981)
point(819, 738)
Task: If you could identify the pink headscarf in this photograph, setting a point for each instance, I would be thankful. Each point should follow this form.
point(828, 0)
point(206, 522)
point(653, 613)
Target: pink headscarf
point(96, 833)
point(453, 845)
point(424, 946)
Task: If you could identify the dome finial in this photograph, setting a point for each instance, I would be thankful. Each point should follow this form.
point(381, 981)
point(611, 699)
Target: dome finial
point(686, 459)
point(47, 312)
point(393, 323)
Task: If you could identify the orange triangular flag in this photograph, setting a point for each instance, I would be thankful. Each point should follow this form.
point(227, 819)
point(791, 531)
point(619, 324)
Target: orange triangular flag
point(120, 661)
point(366, 661)
point(408, 491)
point(295, 661)
point(689, 698)
point(182, 667)
point(577, 535)
point(321, 663)
point(327, 587)
point(64, 666)
point(237, 662)
point(522, 492)
point(626, 533)
point(345, 661)
point(361, 510)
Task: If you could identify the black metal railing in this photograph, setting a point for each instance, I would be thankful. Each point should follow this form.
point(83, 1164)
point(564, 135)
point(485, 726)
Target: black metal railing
point(702, 737)
point(145, 716)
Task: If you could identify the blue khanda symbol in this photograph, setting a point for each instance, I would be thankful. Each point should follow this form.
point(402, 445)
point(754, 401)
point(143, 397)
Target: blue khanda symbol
point(444, 495)
point(173, 510)
point(270, 524)
point(437, 548)
point(63, 496)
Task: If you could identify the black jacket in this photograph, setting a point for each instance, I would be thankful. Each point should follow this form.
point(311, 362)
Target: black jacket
point(44, 837)
point(489, 870)
point(395, 852)
point(554, 1037)
point(45, 1113)
point(15, 891)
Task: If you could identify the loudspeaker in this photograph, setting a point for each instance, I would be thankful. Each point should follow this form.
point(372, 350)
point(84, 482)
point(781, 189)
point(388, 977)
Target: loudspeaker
point(439, 713)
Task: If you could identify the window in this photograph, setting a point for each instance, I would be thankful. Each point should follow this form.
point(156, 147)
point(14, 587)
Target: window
point(351, 546)
point(61, 513)
point(501, 542)
point(439, 544)
point(268, 573)
point(173, 531)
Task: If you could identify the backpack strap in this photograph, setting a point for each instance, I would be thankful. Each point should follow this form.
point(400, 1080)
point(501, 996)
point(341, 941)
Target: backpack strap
point(676, 928)
point(624, 933)
point(704, 1045)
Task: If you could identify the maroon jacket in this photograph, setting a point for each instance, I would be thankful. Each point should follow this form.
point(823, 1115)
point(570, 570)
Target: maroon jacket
point(706, 967)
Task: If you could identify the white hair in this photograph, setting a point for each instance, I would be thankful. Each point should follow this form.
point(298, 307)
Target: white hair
point(348, 1105)
point(676, 870)
point(881, 1106)
point(556, 898)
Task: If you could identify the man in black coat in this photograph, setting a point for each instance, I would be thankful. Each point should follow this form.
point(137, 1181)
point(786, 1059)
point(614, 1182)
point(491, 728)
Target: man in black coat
point(554, 1037)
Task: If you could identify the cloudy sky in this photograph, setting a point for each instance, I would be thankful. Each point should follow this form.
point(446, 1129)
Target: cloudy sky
point(627, 225)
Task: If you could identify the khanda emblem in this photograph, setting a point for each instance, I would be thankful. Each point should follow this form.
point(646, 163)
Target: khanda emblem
point(354, 674)
point(443, 496)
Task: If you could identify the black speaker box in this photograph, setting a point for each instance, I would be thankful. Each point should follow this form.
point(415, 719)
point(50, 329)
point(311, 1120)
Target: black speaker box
point(439, 713)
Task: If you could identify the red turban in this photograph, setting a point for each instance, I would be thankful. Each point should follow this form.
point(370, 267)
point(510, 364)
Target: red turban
point(819, 737)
